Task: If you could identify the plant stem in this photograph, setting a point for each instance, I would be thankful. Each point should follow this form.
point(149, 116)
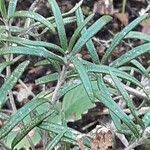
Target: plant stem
point(59, 84)
point(124, 2)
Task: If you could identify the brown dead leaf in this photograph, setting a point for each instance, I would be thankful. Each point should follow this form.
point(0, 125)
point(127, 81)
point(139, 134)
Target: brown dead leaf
point(101, 138)
point(146, 26)
point(123, 18)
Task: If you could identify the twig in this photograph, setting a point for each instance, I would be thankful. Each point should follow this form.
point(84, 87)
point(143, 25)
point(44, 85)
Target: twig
point(59, 84)
point(130, 90)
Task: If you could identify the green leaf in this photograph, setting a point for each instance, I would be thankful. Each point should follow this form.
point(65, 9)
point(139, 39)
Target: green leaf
point(47, 78)
point(90, 46)
point(106, 70)
point(118, 38)
point(11, 81)
point(140, 67)
point(3, 65)
point(77, 32)
point(56, 140)
point(11, 8)
point(42, 62)
point(20, 115)
point(59, 23)
point(126, 97)
point(3, 8)
point(23, 41)
point(138, 35)
point(75, 104)
point(69, 86)
point(48, 61)
point(35, 16)
point(3, 116)
point(84, 77)
point(36, 120)
point(146, 119)
point(90, 32)
point(56, 128)
point(132, 54)
point(116, 120)
point(107, 100)
point(38, 51)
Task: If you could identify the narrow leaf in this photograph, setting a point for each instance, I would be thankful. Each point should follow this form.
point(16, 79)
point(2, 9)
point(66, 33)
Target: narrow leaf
point(126, 97)
point(107, 100)
point(3, 65)
point(3, 8)
point(38, 51)
point(47, 78)
point(132, 54)
point(59, 23)
point(36, 120)
point(35, 16)
point(23, 41)
point(90, 45)
point(84, 77)
point(11, 81)
point(140, 67)
point(55, 141)
point(106, 70)
point(77, 32)
point(90, 32)
point(11, 8)
point(56, 128)
point(118, 38)
point(20, 115)
point(138, 35)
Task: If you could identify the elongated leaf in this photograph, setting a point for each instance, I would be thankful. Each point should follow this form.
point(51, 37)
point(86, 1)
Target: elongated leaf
point(21, 114)
point(42, 62)
point(3, 116)
point(116, 120)
point(84, 78)
point(11, 81)
point(56, 128)
point(36, 120)
point(90, 46)
point(90, 32)
point(11, 8)
point(106, 70)
point(138, 35)
point(139, 67)
point(118, 38)
point(59, 23)
point(69, 136)
point(47, 78)
point(77, 32)
point(55, 141)
point(23, 41)
point(35, 16)
point(132, 54)
point(48, 61)
point(38, 51)
point(3, 8)
point(4, 65)
point(12, 29)
point(107, 100)
point(126, 97)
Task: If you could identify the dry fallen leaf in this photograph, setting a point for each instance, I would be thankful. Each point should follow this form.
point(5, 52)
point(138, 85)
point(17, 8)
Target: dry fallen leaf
point(101, 138)
point(123, 18)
